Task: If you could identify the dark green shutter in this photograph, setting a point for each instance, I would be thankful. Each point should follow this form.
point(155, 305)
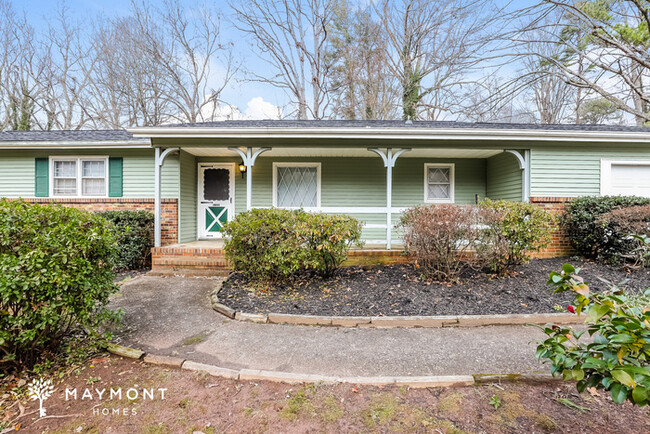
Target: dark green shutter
point(41, 180)
point(115, 177)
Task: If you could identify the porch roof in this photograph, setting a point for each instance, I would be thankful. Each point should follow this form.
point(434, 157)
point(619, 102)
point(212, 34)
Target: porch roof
point(336, 133)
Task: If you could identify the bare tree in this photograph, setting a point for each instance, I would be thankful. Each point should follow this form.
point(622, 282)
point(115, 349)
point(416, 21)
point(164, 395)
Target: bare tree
point(607, 54)
point(291, 36)
point(361, 84)
point(188, 51)
point(432, 48)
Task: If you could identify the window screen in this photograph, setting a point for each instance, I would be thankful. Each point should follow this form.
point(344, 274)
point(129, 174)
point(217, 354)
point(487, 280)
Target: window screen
point(65, 178)
point(297, 187)
point(93, 178)
point(439, 183)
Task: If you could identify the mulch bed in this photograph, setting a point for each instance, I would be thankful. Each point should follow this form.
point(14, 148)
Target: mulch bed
point(398, 290)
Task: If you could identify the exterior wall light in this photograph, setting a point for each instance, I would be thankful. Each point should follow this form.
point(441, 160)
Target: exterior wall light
point(242, 169)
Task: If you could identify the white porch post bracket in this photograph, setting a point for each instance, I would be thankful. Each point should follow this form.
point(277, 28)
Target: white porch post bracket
point(159, 160)
point(524, 165)
point(389, 162)
point(249, 157)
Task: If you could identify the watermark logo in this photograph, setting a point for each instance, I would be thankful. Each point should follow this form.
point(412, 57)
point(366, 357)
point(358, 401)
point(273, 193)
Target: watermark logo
point(41, 390)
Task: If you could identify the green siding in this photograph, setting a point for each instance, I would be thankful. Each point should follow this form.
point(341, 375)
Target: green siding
point(571, 171)
point(188, 199)
point(504, 177)
point(17, 171)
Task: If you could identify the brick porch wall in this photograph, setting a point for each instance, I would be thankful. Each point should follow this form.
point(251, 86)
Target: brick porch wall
point(560, 246)
point(169, 207)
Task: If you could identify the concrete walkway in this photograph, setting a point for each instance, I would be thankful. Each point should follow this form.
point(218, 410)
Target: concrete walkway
point(172, 316)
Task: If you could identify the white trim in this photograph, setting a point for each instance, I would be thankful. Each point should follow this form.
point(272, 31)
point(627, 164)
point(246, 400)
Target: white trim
point(232, 167)
point(78, 159)
point(452, 182)
point(68, 144)
point(483, 134)
point(606, 172)
point(305, 164)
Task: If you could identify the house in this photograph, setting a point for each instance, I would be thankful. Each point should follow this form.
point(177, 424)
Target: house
point(198, 176)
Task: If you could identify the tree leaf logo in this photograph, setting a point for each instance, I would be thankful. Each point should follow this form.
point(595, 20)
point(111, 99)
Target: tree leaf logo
point(40, 389)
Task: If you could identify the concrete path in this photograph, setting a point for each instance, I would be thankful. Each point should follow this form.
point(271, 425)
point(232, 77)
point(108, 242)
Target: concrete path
point(172, 316)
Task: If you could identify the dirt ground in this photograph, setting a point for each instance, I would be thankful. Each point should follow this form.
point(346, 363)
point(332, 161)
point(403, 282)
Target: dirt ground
point(400, 290)
point(198, 402)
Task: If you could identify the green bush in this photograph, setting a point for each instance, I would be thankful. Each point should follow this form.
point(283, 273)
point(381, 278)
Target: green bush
point(133, 230)
point(588, 236)
point(56, 274)
point(510, 230)
point(627, 231)
point(618, 359)
point(274, 244)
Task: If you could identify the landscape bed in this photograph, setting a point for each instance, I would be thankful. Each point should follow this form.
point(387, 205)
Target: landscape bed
point(399, 290)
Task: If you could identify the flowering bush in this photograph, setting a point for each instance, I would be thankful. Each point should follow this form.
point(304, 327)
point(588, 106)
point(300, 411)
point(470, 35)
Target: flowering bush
point(618, 359)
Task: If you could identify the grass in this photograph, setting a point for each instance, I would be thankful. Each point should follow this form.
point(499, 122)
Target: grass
point(381, 410)
point(193, 340)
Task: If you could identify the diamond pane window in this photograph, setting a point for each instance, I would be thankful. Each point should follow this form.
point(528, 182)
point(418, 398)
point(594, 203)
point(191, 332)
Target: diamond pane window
point(439, 183)
point(297, 186)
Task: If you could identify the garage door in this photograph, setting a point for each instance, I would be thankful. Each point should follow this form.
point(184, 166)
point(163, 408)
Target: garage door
point(627, 179)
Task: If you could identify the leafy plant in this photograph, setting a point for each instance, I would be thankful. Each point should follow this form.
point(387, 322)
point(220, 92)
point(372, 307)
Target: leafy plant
point(274, 244)
point(618, 358)
point(626, 231)
point(56, 274)
point(440, 238)
point(581, 222)
point(133, 232)
point(511, 230)
point(495, 402)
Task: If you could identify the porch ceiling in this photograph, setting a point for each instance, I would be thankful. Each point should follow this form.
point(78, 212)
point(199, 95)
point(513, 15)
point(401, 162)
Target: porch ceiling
point(349, 152)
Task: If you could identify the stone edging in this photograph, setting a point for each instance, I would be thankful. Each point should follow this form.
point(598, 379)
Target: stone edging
point(297, 378)
point(394, 321)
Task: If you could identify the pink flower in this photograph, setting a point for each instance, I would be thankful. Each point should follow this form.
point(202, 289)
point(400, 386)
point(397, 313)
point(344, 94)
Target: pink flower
point(571, 309)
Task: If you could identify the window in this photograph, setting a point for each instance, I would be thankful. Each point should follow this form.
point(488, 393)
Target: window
point(296, 185)
point(439, 183)
point(625, 177)
point(79, 176)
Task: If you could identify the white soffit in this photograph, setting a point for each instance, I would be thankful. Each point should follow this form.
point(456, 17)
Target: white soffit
point(350, 152)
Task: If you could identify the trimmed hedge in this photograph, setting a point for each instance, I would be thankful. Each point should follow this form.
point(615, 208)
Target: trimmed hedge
point(588, 235)
point(56, 274)
point(133, 230)
point(273, 245)
point(629, 232)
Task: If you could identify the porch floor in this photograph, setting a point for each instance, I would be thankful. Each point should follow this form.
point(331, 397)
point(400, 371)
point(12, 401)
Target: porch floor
point(206, 257)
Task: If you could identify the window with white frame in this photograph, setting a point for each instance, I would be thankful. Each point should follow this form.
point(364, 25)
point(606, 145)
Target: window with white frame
point(296, 185)
point(79, 176)
point(439, 183)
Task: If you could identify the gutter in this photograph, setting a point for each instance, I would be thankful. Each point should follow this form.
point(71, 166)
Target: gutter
point(392, 134)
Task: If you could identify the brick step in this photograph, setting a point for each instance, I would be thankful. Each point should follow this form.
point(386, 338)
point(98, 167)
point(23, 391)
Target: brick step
point(172, 270)
point(191, 262)
point(167, 251)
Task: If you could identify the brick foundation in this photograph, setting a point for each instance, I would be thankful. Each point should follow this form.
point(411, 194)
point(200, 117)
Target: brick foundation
point(560, 246)
point(169, 207)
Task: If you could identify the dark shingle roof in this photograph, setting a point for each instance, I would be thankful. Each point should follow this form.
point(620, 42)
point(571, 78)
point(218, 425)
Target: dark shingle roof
point(406, 124)
point(67, 136)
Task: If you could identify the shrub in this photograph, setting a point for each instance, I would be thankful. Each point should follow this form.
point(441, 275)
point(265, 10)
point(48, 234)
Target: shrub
point(274, 244)
point(618, 359)
point(439, 237)
point(625, 230)
point(133, 231)
point(510, 230)
point(587, 236)
point(55, 274)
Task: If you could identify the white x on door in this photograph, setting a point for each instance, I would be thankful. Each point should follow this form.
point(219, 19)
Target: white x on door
point(215, 198)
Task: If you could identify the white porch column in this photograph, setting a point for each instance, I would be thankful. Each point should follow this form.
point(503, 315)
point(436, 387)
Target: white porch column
point(524, 165)
point(159, 159)
point(389, 162)
point(249, 157)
